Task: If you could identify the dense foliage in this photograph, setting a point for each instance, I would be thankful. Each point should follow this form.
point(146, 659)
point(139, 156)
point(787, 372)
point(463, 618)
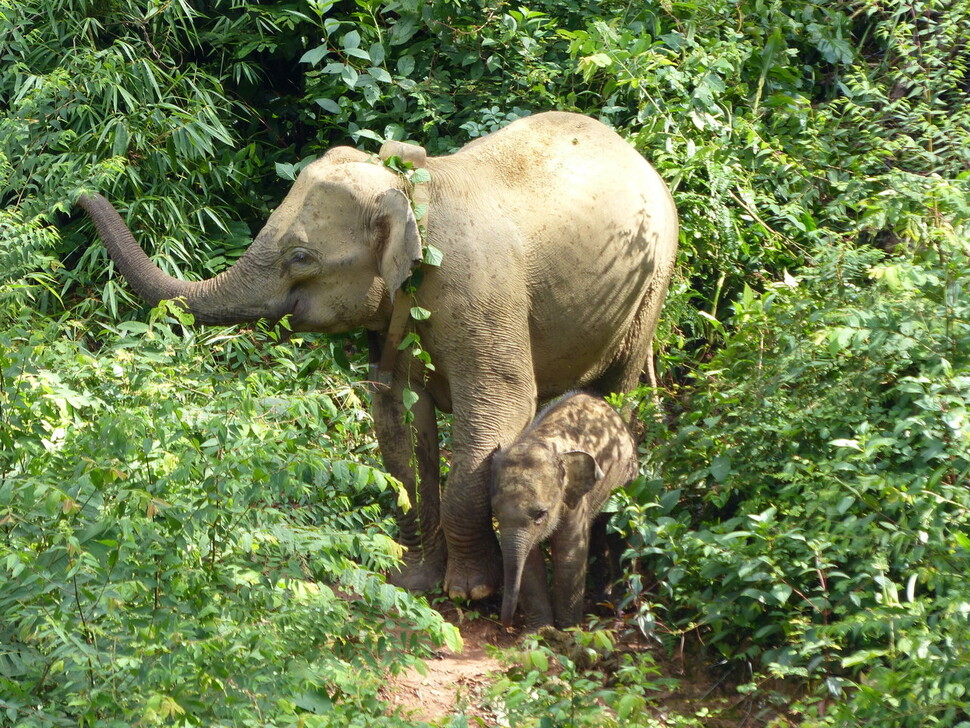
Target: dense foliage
point(818, 526)
point(193, 520)
point(179, 543)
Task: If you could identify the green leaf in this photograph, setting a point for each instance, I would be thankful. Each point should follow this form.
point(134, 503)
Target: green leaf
point(359, 53)
point(713, 321)
point(314, 55)
point(599, 60)
point(420, 176)
point(376, 53)
point(369, 134)
point(286, 171)
point(405, 65)
point(329, 105)
point(452, 637)
point(139, 328)
point(350, 76)
point(379, 74)
point(845, 504)
point(410, 339)
point(781, 592)
point(430, 255)
point(397, 164)
point(351, 40)
point(409, 398)
point(603, 641)
point(862, 657)
point(539, 660)
point(420, 314)
point(721, 468)
point(316, 702)
point(629, 703)
point(774, 44)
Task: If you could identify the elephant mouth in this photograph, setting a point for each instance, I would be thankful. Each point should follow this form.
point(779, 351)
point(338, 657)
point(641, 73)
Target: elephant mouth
point(296, 309)
point(302, 316)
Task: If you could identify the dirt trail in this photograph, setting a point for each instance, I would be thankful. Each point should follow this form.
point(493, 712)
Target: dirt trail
point(455, 683)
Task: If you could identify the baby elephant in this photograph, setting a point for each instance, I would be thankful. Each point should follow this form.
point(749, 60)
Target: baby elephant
point(550, 484)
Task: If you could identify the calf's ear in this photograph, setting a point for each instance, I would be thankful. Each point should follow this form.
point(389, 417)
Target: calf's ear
point(581, 473)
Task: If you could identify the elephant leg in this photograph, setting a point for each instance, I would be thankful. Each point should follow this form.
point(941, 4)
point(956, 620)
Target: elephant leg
point(570, 550)
point(474, 559)
point(534, 593)
point(605, 551)
point(474, 568)
point(404, 445)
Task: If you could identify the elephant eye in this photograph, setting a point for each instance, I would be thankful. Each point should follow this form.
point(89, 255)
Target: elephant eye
point(300, 256)
point(539, 516)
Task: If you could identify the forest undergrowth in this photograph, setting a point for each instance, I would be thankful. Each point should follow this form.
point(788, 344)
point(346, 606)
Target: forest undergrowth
point(195, 520)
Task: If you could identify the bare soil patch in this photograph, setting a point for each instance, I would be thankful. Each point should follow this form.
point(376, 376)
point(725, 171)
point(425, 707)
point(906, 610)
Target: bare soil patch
point(456, 682)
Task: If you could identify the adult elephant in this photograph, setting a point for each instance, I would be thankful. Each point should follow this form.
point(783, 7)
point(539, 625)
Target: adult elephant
point(558, 244)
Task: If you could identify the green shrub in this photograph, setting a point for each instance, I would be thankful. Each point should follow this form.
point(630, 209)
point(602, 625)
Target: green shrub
point(189, 546)
point(812, 511)
point(579, 679)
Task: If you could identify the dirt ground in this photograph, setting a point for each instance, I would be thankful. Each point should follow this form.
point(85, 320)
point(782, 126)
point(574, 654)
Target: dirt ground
point(456, 683)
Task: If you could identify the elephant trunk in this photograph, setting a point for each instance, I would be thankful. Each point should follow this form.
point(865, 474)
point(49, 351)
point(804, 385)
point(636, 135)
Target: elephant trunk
point(233, 296)
point(515, 550)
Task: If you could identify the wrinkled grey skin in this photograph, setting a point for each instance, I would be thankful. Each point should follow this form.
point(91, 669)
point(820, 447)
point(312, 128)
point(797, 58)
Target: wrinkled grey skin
point(550, 484)
point(554, 232)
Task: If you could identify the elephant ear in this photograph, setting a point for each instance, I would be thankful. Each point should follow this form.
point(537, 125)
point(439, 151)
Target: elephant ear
point(398, 244)
point(413, 153)
point(582, 472)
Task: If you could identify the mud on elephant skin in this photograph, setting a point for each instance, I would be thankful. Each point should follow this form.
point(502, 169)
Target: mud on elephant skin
point(553, 230)
point(550, 484)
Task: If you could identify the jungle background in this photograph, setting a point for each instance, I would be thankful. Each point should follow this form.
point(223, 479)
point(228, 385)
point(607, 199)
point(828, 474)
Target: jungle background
point(194, 520)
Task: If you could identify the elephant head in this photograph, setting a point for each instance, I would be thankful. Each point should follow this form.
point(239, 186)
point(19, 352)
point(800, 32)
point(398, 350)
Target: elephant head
point(332, 256)
point(533, 484)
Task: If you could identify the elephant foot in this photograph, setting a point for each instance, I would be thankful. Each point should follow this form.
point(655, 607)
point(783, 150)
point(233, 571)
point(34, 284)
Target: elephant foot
point(419, 578)
point(537, 623)
point(536, 616)
point(473, 578)
point(420, 573)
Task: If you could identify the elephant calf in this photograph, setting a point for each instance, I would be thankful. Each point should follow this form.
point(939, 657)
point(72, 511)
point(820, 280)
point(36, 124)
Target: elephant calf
point(550, 484)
